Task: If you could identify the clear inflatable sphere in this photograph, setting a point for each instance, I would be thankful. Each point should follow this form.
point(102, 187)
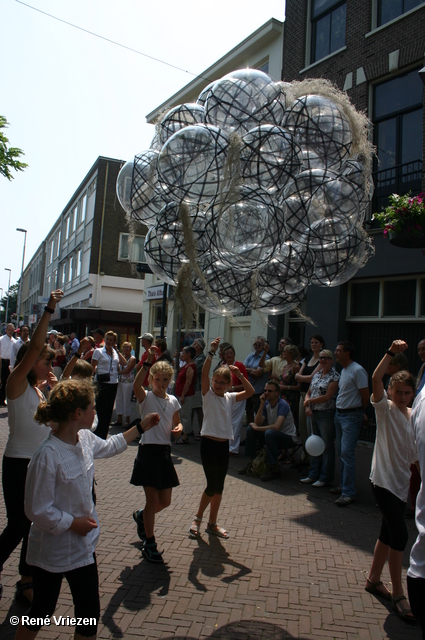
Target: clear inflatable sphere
point(320, 127)
point(274, 303)
point(161, 263)
point(202, 98)
point(320, 208)
point(181, 116)
point(289, 272)
point(147, 199)
point(231, 289)
point(269, 158)
point(244, 99)
point(190, 165)
point(247, 233)
point(170, 231)
point(124, 181)
point(355, 171)
point(338, 262)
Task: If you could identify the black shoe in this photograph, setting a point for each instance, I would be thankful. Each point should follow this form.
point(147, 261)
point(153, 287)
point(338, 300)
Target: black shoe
point(138, 519)
point(151, 553)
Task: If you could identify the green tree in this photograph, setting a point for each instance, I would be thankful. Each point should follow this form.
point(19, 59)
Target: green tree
point(9, 155)
point(13, 299)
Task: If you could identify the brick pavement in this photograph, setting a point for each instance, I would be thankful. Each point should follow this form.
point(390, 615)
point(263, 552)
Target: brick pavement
point(294, 566)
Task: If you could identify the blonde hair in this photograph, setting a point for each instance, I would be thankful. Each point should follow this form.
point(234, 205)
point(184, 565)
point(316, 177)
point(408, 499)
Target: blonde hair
point(64, 399)
point(223, 372)
point(328, 353)
point(161, 367)
point(111, 333)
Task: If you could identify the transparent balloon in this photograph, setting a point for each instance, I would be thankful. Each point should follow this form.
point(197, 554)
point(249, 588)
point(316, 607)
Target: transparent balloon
point(171, 230)
point(181, 116)
point(270, 157)
point(124, 181)
point(289, 272)
point(243, 99)
point(161, 263)
point(147, 199)
point(338, 262)
point(191, 162)
point(320, 127)
point(248, 232)
point(320, 208)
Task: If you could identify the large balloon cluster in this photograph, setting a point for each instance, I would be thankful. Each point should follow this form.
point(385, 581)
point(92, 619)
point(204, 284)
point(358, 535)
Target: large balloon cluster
point(251, 196)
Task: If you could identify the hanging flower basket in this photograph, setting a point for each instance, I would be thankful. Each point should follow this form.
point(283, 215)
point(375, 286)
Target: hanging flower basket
point(403, 221)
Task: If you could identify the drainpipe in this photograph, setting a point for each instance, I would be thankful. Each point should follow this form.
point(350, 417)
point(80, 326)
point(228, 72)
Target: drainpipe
point(101, 237)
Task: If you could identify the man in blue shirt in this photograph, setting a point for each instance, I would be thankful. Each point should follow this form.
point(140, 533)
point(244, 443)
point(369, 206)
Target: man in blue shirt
point(273, 426)
point(256, 376)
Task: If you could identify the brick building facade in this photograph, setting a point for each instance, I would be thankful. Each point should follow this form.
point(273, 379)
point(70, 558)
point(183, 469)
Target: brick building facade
point(373, 49)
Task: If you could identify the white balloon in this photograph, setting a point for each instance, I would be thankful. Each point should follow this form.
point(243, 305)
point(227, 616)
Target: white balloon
point(314, 445)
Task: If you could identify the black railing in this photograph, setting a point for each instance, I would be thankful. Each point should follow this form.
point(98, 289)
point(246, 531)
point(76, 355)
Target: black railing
point(399, 179)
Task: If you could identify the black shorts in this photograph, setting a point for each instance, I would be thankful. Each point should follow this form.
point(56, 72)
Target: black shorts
point(153, 467)
point(215, 461)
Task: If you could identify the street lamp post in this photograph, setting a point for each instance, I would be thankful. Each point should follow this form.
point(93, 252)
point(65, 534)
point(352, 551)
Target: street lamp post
point(8, 290)
point(22, 275)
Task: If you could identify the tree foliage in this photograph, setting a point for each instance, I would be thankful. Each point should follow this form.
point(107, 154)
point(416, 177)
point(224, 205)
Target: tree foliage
point(9, 155)
point(13, 299)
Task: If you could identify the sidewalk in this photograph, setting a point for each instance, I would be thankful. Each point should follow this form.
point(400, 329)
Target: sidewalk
point(294, 566)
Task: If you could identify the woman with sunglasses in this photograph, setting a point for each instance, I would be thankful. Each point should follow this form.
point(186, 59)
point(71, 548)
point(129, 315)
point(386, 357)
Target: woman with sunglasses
point(319, 405)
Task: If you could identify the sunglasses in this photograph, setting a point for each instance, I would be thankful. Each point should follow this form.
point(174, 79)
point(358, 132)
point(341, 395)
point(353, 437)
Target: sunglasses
point(324, 358)
point(257, 344)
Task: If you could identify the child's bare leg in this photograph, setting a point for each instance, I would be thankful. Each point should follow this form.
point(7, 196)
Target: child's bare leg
point(214, 507)
point(156, 501)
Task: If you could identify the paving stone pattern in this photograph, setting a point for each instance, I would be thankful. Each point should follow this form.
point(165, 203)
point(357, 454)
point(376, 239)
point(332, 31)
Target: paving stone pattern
point(294, 566)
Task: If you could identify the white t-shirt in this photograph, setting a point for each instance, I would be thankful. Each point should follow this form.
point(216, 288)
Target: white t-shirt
point(166, 408)
point(395, 449)
point(25, 433)
point(106, 364)
point(352, 378)
point(417, 554)
point(59, 489)
point(217, 420)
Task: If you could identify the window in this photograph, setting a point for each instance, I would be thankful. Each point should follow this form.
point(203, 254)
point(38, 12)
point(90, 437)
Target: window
point(397, 118)
point(387, 299)
point(58, 243)
point(82, 210)
point(68, 227)
point(137, 248)
point(63, 273)
point(78, 265)
point(327, 27)
point(71, 268)
point(391, 9)
point(364, 299)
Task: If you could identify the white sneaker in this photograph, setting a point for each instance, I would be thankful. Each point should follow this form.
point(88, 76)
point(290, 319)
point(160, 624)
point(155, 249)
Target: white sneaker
point(318, 483)
point(307, 480)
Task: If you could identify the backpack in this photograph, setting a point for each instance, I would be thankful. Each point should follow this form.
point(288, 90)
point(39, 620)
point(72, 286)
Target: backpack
point(259, 464)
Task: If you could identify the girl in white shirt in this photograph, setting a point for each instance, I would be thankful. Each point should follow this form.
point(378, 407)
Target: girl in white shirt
point(153, 467)
point(215, 435)
point(59, 502)
point(394, 452)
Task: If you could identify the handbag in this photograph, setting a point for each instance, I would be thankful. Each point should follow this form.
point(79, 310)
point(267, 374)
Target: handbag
point(103, 377)
point(259, 464)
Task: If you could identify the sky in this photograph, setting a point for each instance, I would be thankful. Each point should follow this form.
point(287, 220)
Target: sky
point(70, 97)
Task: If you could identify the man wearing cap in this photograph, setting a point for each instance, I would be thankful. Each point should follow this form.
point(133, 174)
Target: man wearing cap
point(6, 344)
point(51, 337)
point(146, 340)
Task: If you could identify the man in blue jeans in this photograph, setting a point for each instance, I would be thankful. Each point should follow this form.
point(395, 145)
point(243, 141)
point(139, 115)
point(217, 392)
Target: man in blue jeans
point(352, 399)
point(273, 426)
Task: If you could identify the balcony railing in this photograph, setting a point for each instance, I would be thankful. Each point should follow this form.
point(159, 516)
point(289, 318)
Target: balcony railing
point(399, 179)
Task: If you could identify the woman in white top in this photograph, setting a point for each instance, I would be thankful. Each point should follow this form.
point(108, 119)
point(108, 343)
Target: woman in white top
point(125, 386)
point(153, 467)
point(59, 502)
point(105, 362)
point(215, 435)
point(394, 451)
point(33, 366)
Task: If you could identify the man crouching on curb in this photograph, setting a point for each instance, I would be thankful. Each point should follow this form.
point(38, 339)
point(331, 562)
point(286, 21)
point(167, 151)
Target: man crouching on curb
point(273, 426)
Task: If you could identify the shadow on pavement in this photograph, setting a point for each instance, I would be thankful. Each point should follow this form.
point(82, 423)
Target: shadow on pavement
point(137, 584)
point(209, 559)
